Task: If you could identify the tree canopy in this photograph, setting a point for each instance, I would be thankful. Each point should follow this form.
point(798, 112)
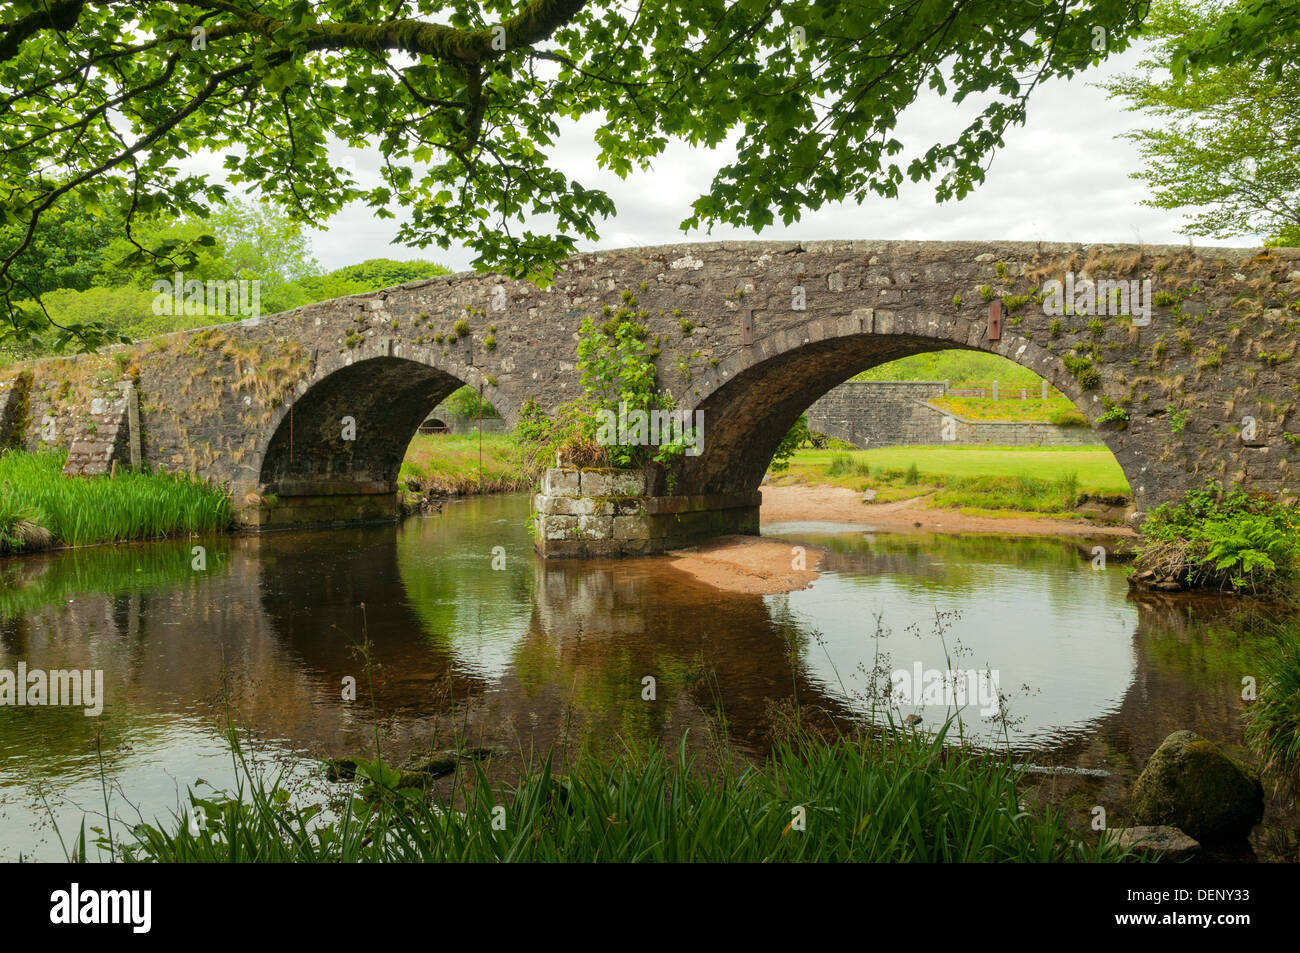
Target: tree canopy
point(100, 102)
point(1225, 144)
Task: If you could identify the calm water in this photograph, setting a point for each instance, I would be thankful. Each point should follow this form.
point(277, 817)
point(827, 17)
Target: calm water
point(532, 653)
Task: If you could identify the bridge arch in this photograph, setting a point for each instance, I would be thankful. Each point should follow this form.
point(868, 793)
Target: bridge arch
point(759, 392)
point(333, 452)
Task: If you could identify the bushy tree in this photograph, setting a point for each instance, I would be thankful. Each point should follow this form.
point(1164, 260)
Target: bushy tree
point(463, 99)
point(1223, 89)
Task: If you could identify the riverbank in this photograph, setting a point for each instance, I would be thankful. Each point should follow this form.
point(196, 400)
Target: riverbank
point(762, 566)
point(1017, 482)
point(442, 465)
point(750, 564)
point(40, 508)
point(801, 503)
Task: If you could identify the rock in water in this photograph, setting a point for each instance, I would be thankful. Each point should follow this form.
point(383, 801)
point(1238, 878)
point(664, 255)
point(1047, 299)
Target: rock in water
point(1192, 785)
point(1169, 843)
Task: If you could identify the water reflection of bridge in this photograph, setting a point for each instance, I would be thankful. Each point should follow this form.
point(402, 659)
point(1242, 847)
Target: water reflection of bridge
point(518, 658)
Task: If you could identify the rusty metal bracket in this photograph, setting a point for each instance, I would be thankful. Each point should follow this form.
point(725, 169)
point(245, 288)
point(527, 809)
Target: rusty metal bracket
point(995, 319)
point(747, 327)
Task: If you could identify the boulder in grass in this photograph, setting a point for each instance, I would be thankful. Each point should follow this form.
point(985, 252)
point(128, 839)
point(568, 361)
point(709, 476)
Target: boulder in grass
point(1191, 785)
point(1166, 843)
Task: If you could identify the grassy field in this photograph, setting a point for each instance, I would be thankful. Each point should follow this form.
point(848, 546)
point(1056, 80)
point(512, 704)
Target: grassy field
point(1043, 481)
point(41, 507)
point(448, 465)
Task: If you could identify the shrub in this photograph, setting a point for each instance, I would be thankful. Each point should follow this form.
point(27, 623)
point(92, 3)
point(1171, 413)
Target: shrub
point(1067, 417)
point(792, 441)
point(1224, 539)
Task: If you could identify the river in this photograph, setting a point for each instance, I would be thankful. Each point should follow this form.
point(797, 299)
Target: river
point(472, 637)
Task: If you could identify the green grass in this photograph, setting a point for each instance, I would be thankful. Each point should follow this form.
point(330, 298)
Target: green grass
point(448, 464)
point(1056, 409)
point(1273, 721)
point(985, 481)
point(888, 797)
point(1021, 493)
point(81, 510)
point(1097, 470)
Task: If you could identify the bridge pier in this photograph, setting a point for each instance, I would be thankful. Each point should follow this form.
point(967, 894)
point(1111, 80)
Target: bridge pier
point(316, 503)
point(595, 513)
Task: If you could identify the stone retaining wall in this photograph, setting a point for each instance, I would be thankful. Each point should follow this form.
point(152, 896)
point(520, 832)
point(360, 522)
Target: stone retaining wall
point(899, 413)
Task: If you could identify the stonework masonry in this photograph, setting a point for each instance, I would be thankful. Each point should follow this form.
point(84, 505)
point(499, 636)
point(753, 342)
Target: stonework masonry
point(600, 512)
point(305, 416)
point(899, 413)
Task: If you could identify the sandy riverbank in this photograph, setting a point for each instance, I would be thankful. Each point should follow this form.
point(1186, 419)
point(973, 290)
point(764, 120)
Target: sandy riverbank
point(835, 504)
point(752, 564)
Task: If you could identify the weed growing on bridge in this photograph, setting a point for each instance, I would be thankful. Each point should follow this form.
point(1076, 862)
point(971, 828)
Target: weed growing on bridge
point(619, 377)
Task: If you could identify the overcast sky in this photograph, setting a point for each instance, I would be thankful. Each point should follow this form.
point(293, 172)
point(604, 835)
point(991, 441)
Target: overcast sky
point(1063, 176)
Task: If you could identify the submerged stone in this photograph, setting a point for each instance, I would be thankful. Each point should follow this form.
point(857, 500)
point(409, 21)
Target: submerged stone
point(1168, 843)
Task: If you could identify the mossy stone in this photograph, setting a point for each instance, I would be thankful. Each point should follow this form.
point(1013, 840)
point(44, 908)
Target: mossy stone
point(1192, 785)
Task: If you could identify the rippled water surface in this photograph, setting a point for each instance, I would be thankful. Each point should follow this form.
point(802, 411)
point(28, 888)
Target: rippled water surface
point(522, 656)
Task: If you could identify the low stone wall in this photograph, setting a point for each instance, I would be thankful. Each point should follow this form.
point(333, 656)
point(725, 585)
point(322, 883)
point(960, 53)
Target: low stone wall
point(599, 513)
point(899, 413)
point(458, 423)
point(999, 433)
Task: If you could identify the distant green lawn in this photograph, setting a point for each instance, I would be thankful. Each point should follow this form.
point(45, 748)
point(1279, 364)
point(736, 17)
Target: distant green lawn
point(1097, 470)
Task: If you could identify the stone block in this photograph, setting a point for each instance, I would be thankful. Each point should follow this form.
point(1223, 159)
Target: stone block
point(631, 527)
point(605, 483)
point(562, 482)
point(558, 527)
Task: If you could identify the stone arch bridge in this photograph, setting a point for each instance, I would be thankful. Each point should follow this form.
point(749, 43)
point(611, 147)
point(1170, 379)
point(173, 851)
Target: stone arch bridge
point(751, 333)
